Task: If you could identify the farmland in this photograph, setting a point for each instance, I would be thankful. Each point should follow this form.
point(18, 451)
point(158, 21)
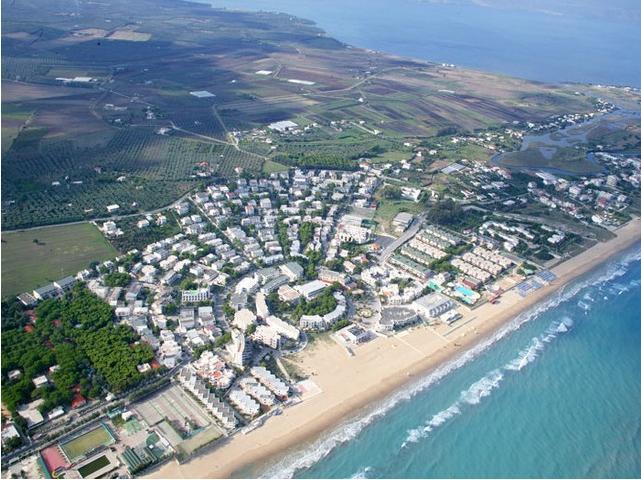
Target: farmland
point(135, 136)
point(33, 258)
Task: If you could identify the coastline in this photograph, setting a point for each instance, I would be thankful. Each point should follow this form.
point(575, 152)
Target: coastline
point(379, 368)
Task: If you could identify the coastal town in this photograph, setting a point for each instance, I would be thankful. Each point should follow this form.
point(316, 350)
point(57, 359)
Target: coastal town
point(238, 245)
point(261, 269)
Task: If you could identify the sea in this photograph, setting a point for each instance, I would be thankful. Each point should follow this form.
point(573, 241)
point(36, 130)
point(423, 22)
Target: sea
point(588, 41)
point(555, 393)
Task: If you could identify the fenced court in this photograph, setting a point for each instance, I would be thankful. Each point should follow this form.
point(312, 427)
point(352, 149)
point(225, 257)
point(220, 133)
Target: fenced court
point(80, 446)
point(93, 466)
point(132, 426)
point(175, 405)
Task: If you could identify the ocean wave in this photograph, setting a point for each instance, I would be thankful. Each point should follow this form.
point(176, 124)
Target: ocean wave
point(483, 387)
point(362, 472)
point(315, 451)
point(415, 434)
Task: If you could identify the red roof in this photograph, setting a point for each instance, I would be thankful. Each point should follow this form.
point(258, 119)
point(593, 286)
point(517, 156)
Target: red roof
point(78, 401)
point(154, 364)
point(54, 458)
point(29, 328)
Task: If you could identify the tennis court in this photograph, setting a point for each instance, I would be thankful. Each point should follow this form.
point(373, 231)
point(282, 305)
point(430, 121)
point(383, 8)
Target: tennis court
point(174, 405)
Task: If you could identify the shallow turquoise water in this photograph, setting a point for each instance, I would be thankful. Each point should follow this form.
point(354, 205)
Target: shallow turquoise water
point(558, 397)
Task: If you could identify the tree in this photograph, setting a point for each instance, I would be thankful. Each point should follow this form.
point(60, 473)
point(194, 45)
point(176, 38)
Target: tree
point(392, 192)
point(223, 339)
point(188, 284)
point(445, 212)
point(228, 310)
point(117, 279)
point(306, 233)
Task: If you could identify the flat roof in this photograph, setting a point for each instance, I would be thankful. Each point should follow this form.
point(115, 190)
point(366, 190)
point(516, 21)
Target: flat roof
point(202, 94)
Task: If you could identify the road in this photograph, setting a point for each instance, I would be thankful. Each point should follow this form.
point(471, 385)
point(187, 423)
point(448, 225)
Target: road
point(69, 426)
point(407, 234)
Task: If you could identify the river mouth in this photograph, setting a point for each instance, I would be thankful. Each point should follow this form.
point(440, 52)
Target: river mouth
point(570, 150)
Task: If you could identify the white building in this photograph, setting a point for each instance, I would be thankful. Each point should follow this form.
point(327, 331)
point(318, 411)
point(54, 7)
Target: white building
point(262, 310)
point(432, 305)
point(244, 403)
point(271, 381)
point(195, 296)
point(243, 318)
point(292, 270)
point(311, 290)
point(282, 327)
point(239, 350)
point(267, 336)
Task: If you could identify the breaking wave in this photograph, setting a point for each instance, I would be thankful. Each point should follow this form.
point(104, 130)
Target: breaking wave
point(362, 473)
point(315, 451)
point(483, 388)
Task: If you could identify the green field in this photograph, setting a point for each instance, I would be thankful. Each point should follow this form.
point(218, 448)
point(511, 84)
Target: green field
point(59, 251)
point(274, 167)
point(94, 466)
point(80, 446)
point(388, 209)
point(13, 119)
point(205, 437)
point(136, 137)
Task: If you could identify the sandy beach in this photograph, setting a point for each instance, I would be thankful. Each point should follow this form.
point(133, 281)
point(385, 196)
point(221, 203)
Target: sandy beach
point(378, 368)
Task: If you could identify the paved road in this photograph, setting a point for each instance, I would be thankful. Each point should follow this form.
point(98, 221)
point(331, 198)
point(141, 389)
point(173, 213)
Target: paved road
point(409, 233)
point(83, 420)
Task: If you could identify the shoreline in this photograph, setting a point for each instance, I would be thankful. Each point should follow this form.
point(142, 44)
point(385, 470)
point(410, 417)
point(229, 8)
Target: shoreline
point(378, 369)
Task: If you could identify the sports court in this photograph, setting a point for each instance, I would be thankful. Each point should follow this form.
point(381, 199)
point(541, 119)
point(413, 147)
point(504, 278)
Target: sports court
point(174, 405)
point(80, 446)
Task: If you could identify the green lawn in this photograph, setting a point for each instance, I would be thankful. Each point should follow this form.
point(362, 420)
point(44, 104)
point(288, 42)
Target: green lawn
point(80, 446)
point(94, 466)
point(269, 166)
point(388, 209)
point(59, 251)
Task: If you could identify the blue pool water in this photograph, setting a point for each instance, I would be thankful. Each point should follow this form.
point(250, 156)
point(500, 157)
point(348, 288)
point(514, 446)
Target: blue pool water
point(557, 394)
point(465, 291)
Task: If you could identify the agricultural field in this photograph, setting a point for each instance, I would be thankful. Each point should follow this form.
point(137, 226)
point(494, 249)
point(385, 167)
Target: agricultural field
point(14, 118)
point(273, 167)
point(137, 118)
point(139, 238)
point(33, 258)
